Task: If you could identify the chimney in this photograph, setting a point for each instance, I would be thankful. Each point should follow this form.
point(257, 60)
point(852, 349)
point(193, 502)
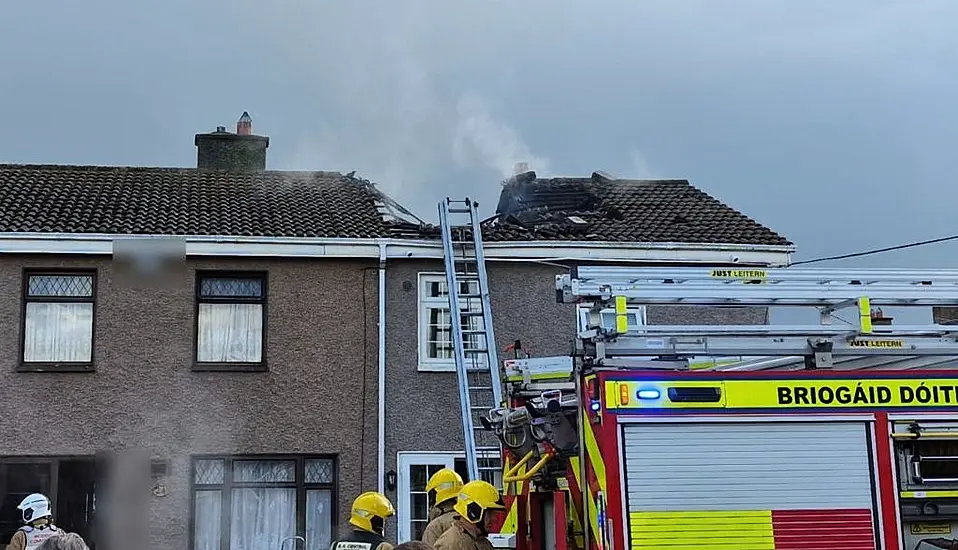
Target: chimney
point(239, 152)
point(520, 168)
point(244, 126)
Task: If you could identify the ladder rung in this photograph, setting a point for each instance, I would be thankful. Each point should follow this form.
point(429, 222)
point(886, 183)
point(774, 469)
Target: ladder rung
point(470, 295)
point(459, 211)
point(477, 388)
point(471, 313)
point(474, 331)
point(475, 350)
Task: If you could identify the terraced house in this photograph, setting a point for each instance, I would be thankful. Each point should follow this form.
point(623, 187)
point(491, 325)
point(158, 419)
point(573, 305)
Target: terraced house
point(292, 348)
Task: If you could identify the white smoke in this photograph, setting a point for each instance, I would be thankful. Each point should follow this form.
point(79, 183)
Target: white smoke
point(641, 169)
point(482, 141)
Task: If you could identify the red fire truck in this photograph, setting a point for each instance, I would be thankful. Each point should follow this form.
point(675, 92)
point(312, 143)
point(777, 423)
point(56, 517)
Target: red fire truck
point(840, 434)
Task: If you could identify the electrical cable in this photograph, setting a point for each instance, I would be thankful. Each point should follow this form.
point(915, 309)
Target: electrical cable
point(877, 250)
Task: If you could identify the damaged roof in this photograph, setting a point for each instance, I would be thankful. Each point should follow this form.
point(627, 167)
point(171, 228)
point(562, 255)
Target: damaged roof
point(189, 201)
point(600, 208)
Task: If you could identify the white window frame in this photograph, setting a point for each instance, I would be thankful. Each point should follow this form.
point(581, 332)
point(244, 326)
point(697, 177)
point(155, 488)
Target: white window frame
point(404, 461)
point(425, 305)
point(639, 312)
point(403, 485)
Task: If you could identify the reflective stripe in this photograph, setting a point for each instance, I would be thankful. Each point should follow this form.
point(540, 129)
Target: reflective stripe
point(36, 536)
point(750, 530)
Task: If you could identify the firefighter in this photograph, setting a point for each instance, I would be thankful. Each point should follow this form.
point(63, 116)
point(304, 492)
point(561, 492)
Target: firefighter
point(37, 513)
point(368, 518)
point(470, 528)
point(445, 484)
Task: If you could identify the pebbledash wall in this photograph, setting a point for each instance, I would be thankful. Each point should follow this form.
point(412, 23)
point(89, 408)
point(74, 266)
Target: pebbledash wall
point(317, 396)
point(423, 422)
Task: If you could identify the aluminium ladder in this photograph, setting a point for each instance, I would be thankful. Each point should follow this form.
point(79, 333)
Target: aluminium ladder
point(826, 290)
point(473, 338)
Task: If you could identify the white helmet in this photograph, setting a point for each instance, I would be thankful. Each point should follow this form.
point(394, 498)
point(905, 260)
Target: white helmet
point(34, 507)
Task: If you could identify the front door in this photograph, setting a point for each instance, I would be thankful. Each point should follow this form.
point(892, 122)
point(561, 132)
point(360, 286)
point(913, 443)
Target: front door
point(412, 511)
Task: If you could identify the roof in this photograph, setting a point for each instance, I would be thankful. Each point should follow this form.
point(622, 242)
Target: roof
point(188, 201)
point(600, 208)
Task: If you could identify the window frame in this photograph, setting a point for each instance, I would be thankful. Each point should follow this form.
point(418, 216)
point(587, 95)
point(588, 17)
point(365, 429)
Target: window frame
point(423, 305)
point(405, 460)
point(56, 366)
point(228, 485)
point(201, 274)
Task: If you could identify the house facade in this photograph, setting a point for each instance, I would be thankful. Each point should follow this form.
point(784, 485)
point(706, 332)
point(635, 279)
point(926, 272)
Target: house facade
point(172, 393)
point(262, 346)
point(541, 228)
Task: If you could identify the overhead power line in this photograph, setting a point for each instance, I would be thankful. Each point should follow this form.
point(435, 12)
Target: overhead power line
point(878, 250)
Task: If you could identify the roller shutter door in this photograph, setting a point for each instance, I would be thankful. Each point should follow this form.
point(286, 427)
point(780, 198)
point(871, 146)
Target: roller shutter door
point(749, 486)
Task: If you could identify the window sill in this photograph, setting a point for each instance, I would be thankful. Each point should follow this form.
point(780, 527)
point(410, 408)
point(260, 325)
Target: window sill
point(56, 367)
point(436, 367)
point(229, 367)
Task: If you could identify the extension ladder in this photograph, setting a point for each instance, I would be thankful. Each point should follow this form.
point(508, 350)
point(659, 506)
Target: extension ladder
point(827, 291)
point(473, 338)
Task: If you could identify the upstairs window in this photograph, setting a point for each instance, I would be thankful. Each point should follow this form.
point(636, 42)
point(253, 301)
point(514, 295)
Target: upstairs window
point(435, 326)
point(58, 320)
point(230, 320)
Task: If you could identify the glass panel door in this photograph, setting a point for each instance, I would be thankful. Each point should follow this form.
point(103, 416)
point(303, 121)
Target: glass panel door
point(415, 469)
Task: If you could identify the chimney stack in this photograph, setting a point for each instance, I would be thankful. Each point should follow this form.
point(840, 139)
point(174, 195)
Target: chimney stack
point(244, 126)
point(520, 168)
point(239, 152)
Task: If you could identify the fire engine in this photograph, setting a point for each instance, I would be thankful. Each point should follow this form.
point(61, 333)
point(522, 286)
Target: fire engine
point(835, 434)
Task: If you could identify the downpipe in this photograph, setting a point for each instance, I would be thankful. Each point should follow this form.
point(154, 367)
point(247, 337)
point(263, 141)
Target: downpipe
point(381, 386)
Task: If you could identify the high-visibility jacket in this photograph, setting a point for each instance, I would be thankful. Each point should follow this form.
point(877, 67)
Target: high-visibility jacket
point(30, 538)
point(361, 540)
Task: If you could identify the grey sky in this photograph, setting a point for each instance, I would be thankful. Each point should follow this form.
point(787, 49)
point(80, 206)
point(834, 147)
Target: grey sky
point(835, 123)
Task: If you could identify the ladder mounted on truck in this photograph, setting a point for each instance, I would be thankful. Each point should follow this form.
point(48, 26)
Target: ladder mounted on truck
point(473, 338)
point(828, 291)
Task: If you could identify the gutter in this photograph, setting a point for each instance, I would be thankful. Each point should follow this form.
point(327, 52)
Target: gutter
point(293, 247)
point(381, 386)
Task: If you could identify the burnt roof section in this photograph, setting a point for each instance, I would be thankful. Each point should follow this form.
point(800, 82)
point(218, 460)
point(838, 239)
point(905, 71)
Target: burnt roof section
point(185, 201)
point(600, 208)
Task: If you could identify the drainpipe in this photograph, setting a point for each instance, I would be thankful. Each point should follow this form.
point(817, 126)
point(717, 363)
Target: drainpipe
point(381, 454)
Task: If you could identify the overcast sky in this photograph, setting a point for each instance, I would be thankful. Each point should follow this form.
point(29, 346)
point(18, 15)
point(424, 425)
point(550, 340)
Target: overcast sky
point(833, 122)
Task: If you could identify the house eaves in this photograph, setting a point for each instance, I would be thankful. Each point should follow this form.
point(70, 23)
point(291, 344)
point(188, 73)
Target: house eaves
point(309, 247)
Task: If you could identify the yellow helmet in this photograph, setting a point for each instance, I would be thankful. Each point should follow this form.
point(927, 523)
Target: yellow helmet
point(370, 511)
point(475, 498)
point(446, 483)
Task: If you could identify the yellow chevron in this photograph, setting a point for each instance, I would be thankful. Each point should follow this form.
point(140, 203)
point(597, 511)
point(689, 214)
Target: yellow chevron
point(593, 511)
point(576, 518)
point(595, 457)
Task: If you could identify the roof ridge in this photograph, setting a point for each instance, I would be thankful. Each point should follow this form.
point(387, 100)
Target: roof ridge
point(171, 169)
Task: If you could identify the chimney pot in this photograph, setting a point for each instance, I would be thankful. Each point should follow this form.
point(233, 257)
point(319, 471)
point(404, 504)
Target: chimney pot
point(244, 126)
point(520, 168)
point(221, 129)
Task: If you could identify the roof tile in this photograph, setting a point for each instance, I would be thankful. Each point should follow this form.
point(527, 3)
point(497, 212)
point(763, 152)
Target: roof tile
point(184, 201)
point(533, 208)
